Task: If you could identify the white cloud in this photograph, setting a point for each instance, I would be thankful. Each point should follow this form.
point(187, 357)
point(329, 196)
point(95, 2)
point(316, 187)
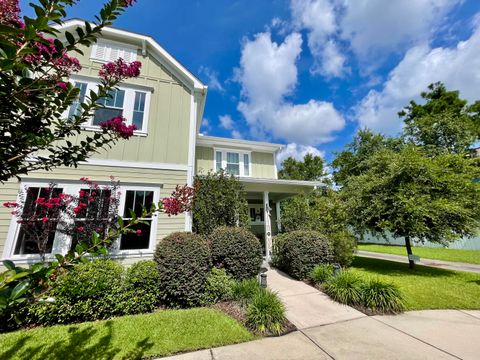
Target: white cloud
point(375, 26)
point(422, 65)
point(268, 74)
point(205, 126)
point(237, 134)
point(318, 17)
point(212, 78)
point(226, 121)
point(298, 152)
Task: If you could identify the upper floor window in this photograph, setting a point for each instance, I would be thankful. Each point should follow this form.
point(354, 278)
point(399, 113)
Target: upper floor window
point(130, 102)
point(107, 51)
point(233, 162)
point(113, 107)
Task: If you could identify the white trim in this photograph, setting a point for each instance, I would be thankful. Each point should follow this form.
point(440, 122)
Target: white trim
point(279, 216)
point(268, 226)
point(61, 244)
point(136, 164)
point(108, 44)
point(93, 79)
point(312, 184)
point(240, 145)
point(240, 163)
point(191, 153)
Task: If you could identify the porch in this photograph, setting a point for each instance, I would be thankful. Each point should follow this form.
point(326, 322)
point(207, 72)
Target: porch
point(264, 198)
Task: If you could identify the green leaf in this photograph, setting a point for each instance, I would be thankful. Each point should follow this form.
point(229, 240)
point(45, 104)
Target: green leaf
point(9, 264)
point(20, 289)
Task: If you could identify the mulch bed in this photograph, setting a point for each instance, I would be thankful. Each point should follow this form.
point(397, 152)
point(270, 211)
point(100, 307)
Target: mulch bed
point(238, 312)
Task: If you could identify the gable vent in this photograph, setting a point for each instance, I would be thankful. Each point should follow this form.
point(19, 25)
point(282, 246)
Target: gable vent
point(103, 51)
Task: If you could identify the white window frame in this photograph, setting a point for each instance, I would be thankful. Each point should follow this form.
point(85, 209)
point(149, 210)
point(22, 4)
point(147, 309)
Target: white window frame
point(128, 104)
point(240, 153)
point(62, 242)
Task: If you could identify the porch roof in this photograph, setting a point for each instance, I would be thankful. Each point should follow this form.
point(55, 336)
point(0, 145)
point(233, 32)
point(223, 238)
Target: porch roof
point(278, 189)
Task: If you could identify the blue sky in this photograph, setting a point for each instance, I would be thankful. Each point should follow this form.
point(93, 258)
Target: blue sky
point(310, 73)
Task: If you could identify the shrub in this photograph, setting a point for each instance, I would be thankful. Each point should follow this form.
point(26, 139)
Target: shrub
point(381, 296)
point(321, 273)
point(265, 312)
point(183, 261)
point(89, 291)
point(345, 288)
point(219, 201)
point(237, 250)
point(141, 290)
point(243, 291)
point(344, 245)
point(299, 251)
point(219, 286)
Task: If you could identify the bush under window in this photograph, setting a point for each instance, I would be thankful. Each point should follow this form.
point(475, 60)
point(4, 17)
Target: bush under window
point(184, 262)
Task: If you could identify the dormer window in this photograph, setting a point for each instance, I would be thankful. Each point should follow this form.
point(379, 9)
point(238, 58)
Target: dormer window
point(108, 51)
point(233, 162)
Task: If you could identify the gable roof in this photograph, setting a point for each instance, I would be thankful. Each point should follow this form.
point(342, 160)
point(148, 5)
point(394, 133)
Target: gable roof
point(147, 43)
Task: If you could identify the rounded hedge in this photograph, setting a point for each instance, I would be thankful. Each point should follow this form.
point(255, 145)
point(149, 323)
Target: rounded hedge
point(237, 250)
point(141, 289)
point(183, 261)
point(298, 252)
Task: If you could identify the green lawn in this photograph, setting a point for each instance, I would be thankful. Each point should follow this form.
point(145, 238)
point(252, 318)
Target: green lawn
point(466, 256)
point(128, 337)
point(425, 287)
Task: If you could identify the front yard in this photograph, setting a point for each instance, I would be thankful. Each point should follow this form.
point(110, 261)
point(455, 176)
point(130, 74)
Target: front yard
point(457, 255)
point(425, 287)
point(129, 337)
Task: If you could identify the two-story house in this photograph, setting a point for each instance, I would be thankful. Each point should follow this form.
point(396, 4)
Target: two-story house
point(166, 103)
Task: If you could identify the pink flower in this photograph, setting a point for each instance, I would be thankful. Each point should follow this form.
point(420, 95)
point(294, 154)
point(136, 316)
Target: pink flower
point(10, 204)
point(80, 228)
point(119, 69)
point(91, 199)
point(77, 209)
point(127, 3)
point(62, 85)
point(44, 219)
point(138, 232)
point(81, 193)
point(118, 126)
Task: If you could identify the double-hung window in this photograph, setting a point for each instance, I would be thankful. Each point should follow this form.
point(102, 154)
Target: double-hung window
point(23, 241)
point(233, 162)
point(75, 108)
point(112, 107)
point(129, 101)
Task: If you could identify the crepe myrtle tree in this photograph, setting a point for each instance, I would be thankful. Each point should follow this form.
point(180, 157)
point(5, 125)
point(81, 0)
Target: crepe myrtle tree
point(412, 195)
point(90, 218)
point(35, 65)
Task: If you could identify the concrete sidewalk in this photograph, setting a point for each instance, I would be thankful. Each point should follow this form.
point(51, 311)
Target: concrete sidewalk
point(441, 264)
point(328, 330)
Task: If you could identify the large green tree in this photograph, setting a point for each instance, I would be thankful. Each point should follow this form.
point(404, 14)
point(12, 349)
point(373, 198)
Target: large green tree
point(310, 168)
point(415, 196)
point(444, 123)
point(353, 160)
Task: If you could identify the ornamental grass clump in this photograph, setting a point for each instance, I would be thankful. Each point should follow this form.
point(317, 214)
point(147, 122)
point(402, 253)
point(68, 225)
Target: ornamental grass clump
point(266, 313)
point(243, 291)
point(321, 273)
point(381, 296)
point(346, 288)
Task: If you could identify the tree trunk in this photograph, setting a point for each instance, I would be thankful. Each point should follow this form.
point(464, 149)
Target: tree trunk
point(411, 263)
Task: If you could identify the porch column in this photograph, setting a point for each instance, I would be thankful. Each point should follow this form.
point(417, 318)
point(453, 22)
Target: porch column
point(279, 216)
point(268, 226)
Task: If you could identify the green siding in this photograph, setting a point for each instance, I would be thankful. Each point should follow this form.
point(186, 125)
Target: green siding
point(263, 164)
point(169, 115)
point(168, 178)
